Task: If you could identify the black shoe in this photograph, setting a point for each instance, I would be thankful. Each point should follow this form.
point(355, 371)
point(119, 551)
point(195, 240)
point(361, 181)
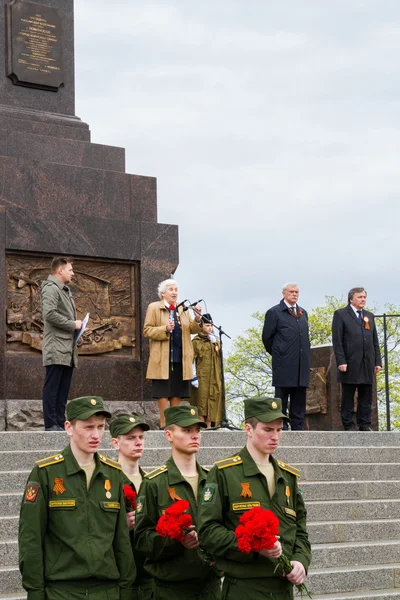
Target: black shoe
point(53, 428)
point(365, 429)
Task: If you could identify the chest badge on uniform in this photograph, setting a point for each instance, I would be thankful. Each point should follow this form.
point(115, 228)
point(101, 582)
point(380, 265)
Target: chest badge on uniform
point(287, 494)
point(246, 491)
point(59, 486)
point(107, 487)
point(173, 495)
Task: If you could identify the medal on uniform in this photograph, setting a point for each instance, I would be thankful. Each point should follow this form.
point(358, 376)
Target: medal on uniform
point(59, 485)
point(287, 494)
point(246, 491)
point(107, 487)
point(173, 495)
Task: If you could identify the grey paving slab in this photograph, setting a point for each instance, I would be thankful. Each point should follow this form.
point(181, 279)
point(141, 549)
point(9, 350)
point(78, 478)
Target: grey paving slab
point(389, 594)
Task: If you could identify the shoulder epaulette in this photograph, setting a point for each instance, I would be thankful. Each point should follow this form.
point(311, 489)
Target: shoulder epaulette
point(110, 462)
point(49, 460)
point(156, 472)
point(229, 462)
point(289, 468)
point(205, 469)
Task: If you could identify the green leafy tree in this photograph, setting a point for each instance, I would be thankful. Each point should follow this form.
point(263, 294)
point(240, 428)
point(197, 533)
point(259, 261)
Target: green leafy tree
point(248, 370)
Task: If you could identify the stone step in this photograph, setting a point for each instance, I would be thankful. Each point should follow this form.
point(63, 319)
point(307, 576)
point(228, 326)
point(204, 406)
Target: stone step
point(351, 579)
point(8, 553)
point(10, 581)
point(154, 456)
point(38, 440)
point(20, 596)
point(9, 528)
point(336, 510)
point(353, 531)
point(388, 594)
point(10, 503)
point(347, 490)
point(355, 553)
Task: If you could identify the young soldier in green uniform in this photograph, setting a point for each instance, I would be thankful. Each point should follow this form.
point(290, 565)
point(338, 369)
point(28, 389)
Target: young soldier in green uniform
point(179, 573)
point(127, 434)
point(73, 538)
point(255, 478)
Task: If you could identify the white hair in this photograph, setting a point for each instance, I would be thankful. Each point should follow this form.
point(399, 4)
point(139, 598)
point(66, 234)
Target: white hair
point(162, 287)
point(289, 285)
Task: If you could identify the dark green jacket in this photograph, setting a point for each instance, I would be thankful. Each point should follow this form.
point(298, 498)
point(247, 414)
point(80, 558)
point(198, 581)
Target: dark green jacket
point(222, 506)
point(168, 560)
point(142, 577)
point(59, 316)
point(69, 533)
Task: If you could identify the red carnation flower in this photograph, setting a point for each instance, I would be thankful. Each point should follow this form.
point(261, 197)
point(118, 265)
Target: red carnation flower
point(130, 498)
point(175, 521)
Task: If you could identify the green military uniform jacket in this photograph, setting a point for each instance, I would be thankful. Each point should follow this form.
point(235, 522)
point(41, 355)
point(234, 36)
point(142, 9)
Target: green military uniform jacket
point(68, 534)
point(169, 560)
point(235, 485)
point(142, 577)
point(208, 396)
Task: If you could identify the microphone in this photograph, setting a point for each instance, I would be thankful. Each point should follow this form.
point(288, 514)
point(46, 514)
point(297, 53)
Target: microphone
point(182, 303)
point(193, 304)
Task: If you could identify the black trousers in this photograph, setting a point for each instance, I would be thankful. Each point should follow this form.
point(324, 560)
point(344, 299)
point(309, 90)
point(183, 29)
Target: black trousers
point(55, 394)
point(297, 406)
point(364, 402)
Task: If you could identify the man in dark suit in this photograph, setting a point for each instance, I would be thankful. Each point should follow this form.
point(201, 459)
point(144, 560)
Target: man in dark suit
point(286, 337)
point(358, 357)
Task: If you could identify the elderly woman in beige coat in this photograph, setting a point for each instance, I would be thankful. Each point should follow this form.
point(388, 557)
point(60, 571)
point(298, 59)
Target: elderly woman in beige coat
point(171, 353)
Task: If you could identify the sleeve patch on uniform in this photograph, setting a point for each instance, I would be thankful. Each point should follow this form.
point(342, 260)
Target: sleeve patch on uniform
point(31, 491)
point(209, 493)
point(139, 505)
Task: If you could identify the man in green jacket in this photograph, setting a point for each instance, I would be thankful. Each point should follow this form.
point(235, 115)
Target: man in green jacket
point(60, 354)
point(128, 434)
point(237, 484)
point(179, 572)
point(73, 537)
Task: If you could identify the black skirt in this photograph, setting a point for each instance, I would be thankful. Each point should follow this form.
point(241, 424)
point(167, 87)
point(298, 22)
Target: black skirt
point(172, 387)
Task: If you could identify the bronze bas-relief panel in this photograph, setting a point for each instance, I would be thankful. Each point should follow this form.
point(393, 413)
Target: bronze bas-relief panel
point(34, 45)
point(105, 290)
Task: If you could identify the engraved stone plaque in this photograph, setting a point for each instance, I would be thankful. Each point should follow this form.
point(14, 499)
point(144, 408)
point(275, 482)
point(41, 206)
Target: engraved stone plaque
point(34, 45)
point(106, 290)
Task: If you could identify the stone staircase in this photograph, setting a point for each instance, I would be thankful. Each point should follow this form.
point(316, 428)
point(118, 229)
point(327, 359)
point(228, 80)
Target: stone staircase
point(350, 481)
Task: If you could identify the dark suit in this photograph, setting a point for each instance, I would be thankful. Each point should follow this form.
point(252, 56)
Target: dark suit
point(286, 338)
point(358, 347)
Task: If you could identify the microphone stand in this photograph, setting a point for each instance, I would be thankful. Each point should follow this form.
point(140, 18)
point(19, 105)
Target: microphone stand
point(225, 424)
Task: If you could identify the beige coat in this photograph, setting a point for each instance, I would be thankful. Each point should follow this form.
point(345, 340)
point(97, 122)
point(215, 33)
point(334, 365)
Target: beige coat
point(155, 323)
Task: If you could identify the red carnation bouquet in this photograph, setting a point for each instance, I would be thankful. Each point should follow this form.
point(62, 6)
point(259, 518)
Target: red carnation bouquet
point(175, 521)
point(130, 498)
point(259, 529)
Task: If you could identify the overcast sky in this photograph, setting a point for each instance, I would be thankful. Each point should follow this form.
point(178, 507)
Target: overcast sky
point(273, 130)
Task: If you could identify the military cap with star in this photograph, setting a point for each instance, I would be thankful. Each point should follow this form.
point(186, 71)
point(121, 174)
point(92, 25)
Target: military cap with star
point(264, 409)
point(125, 423)
point(184, 416)
point(85, 407)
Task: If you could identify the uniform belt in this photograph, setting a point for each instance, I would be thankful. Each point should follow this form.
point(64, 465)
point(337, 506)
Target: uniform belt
point(189, 586)
point(82, 584)
point(262, 584)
